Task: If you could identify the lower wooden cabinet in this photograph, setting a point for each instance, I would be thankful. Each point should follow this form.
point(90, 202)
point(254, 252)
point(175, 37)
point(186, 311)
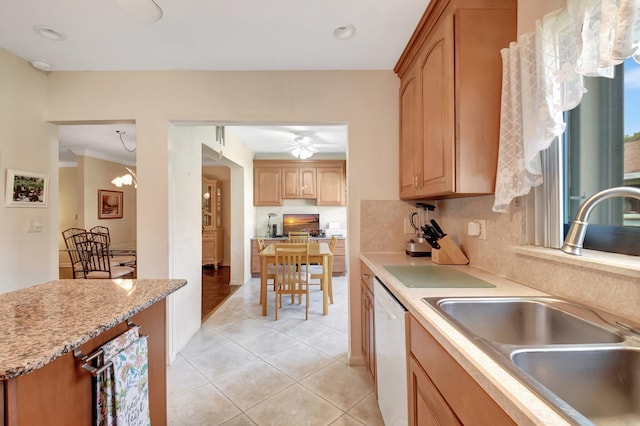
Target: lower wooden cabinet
point(440, 391)
point(60, 393)
point(367, 313)
point(212, 247)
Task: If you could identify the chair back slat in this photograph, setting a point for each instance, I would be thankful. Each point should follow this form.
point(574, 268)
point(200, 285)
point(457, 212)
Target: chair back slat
point(292, 278)
point(93, 249)
point(298, 237)
point(70, 244)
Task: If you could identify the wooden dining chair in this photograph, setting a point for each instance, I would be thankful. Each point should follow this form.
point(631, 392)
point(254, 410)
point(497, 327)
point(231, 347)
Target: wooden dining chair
point(292, 261)
point(271, 269)
point(297, 237)
point(77, 269)
point(316, 272)
point(116, 260)
point(94, 254)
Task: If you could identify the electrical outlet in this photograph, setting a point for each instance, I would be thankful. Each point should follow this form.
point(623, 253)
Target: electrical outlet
point(477, 228)
point(408, 229)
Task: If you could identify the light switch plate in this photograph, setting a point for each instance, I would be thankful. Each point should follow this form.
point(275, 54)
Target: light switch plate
point(34, 224)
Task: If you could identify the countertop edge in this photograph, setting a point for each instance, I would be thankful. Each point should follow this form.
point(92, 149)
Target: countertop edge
point(525, 407)
point(32, 364)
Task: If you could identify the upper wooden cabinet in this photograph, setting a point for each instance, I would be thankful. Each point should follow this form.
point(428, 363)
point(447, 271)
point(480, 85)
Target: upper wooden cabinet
point(322, 180)
point(450, 85)
point(266, 186)
point(298, 182)
point(331, 186)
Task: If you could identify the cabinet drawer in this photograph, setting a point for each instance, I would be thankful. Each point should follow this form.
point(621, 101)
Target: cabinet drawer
point(471, 404)
point(366, 275)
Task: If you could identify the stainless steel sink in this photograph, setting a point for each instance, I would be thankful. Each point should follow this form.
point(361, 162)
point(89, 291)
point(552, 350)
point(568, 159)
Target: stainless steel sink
point(603, 384)
point(537, 321)
point(584, 362)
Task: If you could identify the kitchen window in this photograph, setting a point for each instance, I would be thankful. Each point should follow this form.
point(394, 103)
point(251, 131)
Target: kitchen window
point(601, 149)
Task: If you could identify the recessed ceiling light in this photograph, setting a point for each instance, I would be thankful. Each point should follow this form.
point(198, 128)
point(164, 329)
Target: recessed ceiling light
point(48, 33)
point(344, 31)
point(41, 64)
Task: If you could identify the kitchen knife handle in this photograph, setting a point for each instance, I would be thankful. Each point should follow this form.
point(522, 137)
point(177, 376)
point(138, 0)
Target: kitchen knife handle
point(437, 228)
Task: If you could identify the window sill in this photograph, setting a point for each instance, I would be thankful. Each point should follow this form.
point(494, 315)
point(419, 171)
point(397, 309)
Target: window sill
point(600, 261)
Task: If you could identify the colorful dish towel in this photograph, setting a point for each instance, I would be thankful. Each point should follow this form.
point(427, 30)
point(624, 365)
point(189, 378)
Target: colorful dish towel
point(113, 397)
point(130, 368)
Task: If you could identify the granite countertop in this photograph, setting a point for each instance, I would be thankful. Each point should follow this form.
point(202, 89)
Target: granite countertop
point(525, 407)
point(46, 321)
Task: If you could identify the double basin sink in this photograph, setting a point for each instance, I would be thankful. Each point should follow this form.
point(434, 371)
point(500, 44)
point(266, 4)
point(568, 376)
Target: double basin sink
point(585, 363)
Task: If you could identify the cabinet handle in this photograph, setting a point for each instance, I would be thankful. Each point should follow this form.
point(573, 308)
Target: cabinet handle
point(366, 276)
point(419, 180)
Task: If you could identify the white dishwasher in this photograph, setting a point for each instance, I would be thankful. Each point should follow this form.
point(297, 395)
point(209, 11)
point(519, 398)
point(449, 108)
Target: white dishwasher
point(391, 356)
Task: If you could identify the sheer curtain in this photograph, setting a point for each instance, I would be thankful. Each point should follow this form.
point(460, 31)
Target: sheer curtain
point(543, 77)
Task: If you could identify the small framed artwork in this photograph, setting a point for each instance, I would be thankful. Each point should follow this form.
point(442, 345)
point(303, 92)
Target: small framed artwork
point(110, 204)
point(26, 189)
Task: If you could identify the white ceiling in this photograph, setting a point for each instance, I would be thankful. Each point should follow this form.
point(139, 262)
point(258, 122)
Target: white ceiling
point(102, 140)
point(208, 35)
point(212, 34)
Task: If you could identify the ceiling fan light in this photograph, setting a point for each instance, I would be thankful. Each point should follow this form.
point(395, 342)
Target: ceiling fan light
point(296, 152)
point(145, 11)
point(305, 153)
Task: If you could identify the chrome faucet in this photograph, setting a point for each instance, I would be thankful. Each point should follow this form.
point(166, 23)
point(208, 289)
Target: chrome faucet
point(575, 236)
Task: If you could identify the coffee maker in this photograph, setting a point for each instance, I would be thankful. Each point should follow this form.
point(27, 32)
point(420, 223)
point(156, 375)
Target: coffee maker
point(418, 246)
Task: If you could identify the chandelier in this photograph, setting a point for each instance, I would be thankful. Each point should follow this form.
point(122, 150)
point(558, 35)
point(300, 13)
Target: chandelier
point(126, 179)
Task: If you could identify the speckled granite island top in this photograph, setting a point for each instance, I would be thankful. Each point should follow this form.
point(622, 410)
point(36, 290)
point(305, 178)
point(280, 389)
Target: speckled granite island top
point(46, 321)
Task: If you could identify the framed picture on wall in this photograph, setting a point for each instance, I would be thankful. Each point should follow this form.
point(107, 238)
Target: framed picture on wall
point(110, 204)
point(26, 189)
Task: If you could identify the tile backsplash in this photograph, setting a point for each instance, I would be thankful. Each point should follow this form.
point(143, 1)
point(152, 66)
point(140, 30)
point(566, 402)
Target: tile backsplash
point(382, 230)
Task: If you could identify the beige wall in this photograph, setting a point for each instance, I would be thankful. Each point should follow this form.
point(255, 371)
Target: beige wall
point(97, 174)
point(27, 143)
point(67, 207)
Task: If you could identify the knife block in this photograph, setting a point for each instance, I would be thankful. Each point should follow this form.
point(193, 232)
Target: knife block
point(449, 253)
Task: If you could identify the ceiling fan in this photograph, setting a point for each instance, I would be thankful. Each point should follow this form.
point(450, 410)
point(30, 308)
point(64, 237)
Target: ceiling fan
point(304, 144)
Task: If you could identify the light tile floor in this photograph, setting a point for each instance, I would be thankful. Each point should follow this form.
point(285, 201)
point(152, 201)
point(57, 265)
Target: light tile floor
point(245, 369)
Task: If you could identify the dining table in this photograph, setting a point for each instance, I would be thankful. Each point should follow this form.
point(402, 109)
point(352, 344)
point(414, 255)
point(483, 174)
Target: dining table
point(318, 253)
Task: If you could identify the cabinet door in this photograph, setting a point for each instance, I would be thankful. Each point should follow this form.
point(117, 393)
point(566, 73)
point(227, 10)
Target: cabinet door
point(290, 182)
point(437, 102)
point(368, 330)
point(331, 186)
point(410, 146)
point(266, 186)
point(307, 187)
point(208, 198)
point(426, 405)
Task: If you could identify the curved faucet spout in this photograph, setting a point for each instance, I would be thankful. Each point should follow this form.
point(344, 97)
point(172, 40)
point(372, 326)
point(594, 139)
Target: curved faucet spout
point(575, 236)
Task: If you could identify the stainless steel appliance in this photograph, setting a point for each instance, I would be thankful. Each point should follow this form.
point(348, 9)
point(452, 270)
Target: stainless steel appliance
point(391, 356)
point(419, 246)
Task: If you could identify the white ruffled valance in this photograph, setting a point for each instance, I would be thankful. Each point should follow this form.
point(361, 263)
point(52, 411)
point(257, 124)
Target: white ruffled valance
point(542, 76)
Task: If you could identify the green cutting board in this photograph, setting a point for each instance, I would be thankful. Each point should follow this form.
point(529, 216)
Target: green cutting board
point(434, 276)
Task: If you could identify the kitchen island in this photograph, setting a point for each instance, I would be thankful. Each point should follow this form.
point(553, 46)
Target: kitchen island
point(42, 380)
point(515, 399)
